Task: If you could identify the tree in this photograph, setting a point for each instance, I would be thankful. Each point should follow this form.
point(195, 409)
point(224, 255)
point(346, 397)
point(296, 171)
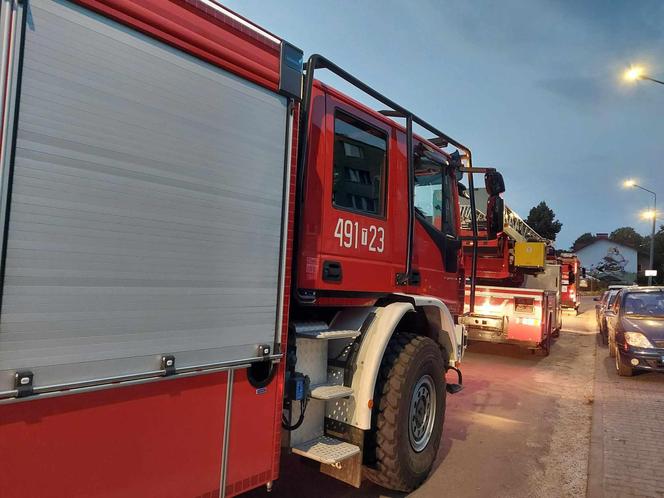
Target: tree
point(627, 236)
point(583, 240)
point(543, 220)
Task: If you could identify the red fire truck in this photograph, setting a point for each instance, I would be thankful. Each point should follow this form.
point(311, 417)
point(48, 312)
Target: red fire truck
point(518, 292)
point(207, 254)
point(569, 267)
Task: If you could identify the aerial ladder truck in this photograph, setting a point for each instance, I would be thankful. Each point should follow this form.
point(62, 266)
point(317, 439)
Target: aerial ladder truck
point(518, 283)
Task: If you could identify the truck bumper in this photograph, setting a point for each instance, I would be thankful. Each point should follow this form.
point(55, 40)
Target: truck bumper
point(496, 325)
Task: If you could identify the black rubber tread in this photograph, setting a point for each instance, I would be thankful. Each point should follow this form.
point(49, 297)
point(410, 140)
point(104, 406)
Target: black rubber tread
point(624, 369)
point(397, 466)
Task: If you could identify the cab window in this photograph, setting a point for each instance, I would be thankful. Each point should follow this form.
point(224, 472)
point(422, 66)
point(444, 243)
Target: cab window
point(360, 154)
point(433, 194)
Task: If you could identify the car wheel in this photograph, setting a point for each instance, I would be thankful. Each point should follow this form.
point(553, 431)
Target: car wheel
point(408, 412)
point(612, 348)
point(624, 369)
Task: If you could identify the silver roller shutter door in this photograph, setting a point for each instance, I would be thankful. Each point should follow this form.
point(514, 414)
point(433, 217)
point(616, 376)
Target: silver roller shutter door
point(146, 207)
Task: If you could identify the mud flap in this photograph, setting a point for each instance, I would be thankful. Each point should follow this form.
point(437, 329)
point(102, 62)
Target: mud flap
point(455, 388)
point(348, 471)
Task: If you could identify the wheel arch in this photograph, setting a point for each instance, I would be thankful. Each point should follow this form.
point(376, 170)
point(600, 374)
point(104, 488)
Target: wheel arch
point(430, 316)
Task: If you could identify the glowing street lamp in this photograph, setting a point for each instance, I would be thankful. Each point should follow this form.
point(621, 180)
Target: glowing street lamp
point(635, 73)
point(649, 214)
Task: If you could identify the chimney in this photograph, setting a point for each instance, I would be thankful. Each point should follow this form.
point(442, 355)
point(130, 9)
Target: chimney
point(602, 236)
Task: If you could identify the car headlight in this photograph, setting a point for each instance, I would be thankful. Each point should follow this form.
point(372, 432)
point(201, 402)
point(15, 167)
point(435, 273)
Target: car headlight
point(637, 339)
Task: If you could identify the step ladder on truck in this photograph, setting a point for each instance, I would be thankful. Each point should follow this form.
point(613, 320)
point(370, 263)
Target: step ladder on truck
point(518, 283)
point(208, 254)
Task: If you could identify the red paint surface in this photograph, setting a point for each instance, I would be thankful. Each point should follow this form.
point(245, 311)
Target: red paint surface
point(162, 438)
point(365, 271)
point(569, 266)
point(499, 302)
point(199, 31)
point(157, 439)
point(250, 454)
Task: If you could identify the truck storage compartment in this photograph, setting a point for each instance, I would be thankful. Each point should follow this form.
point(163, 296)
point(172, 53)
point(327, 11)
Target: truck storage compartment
point(145, 208)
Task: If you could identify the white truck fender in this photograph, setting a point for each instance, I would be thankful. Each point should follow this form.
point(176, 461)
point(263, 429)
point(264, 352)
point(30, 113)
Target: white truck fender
point(378, 334)
point(449, 335)
point(369, 358)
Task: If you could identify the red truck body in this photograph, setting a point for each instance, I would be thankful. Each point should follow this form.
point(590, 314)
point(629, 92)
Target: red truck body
point(165, 437)
point(514, 305)
point(570, 267)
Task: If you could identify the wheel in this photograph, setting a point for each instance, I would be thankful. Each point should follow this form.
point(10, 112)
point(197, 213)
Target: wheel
point(545, 346)
point(624, 369)
point(408, 414)
point(603, 333)
point(612, 348)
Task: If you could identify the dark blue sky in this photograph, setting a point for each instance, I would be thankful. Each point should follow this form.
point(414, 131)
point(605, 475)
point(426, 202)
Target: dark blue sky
point(533, 87)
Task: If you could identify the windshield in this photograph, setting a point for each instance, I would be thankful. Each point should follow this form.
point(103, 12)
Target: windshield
point(650, 304)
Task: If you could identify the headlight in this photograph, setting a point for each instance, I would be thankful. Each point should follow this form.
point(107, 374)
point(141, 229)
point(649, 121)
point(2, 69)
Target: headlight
point(637, 339)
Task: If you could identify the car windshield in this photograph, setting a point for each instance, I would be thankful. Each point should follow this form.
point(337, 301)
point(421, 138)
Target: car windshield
point(650, 304)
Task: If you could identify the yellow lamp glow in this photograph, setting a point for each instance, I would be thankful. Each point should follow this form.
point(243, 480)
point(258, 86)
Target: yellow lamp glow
point(633, 73)
point(648, 214)
point(629, 183)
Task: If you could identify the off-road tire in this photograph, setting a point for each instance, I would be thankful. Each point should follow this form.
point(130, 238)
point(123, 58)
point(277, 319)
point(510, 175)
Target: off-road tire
point(545, 348)
point(407, 359)
point(624, 370)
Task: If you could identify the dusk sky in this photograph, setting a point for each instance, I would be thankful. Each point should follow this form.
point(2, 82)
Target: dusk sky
point(533, 87)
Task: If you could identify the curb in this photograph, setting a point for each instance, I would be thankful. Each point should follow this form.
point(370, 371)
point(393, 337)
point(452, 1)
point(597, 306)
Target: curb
point(595, 484)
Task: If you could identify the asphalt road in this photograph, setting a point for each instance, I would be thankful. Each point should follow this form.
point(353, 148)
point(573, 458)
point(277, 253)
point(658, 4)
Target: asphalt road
point(520, 428)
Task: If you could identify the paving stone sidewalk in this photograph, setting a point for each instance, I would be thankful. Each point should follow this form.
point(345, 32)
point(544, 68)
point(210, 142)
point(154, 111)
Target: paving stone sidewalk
point(627, 442)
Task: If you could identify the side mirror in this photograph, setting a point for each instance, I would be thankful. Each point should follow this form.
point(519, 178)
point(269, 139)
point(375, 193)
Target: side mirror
point(463, 190)
point(495, 214)
point(494, 183)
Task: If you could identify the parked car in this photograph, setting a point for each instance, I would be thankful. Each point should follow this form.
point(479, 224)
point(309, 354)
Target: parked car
point(605, 301)
point(636, 329)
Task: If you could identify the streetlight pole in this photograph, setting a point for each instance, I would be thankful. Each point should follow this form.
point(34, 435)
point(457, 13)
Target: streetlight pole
point(652, 235)
point(637, 73)
point(653, 215)
point(651, 79)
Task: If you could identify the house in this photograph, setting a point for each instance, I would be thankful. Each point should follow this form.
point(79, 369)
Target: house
point(611, 261)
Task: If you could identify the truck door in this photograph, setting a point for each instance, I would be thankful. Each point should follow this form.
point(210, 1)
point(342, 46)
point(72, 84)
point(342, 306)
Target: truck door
point(361, 185)
point(436, 254)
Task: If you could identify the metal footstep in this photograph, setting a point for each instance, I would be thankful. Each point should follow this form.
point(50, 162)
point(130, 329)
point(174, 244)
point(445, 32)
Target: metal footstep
point(328, 450)
point(328, 391)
